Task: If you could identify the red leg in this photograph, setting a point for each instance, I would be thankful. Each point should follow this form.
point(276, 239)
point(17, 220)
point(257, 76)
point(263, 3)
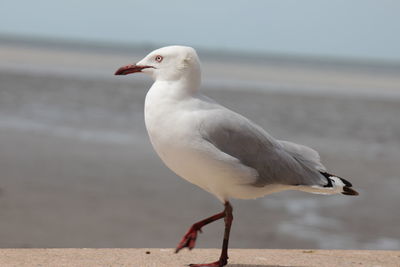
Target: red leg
point(189, 239)
point(223, 259)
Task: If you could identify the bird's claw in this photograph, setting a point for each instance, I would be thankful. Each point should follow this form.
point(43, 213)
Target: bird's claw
point(219, 263)
point(189, 239)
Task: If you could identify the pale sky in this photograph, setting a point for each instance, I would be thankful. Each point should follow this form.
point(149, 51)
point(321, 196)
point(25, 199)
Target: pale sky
point(365, 29)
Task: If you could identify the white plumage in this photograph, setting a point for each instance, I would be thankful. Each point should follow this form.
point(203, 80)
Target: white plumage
point(217, 149)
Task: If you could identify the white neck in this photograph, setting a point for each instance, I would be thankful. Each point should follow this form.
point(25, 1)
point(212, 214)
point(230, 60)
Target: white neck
point(176, 90)
point(192, 78)
point(163, 98)
point(188, 85)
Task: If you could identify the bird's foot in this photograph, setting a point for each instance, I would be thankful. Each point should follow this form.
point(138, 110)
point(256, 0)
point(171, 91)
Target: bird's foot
point(189, 239)
point(219, 263)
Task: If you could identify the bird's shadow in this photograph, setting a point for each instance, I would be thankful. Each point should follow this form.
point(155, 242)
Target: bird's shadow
point(257, 265)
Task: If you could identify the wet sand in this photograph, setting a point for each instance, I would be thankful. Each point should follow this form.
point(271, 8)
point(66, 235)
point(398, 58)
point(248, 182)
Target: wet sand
point(77, 169)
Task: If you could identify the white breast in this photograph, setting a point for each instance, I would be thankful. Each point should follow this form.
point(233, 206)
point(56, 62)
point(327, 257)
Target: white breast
point(173, 127)
point(169, 126)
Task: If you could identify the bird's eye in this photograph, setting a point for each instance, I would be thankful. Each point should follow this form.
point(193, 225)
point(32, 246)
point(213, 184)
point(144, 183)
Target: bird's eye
point(159, 58)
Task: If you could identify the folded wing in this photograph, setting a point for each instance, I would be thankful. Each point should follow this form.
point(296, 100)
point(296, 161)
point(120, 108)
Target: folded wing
point(276, 162)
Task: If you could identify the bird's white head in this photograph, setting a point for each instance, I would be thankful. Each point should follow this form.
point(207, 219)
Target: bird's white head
point(170, 63)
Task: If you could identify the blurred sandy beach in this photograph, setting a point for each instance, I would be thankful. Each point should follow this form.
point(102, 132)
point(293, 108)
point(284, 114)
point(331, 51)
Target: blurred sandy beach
point(77, 169)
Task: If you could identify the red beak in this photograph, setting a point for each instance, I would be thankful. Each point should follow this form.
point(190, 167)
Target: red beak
point(128, 69)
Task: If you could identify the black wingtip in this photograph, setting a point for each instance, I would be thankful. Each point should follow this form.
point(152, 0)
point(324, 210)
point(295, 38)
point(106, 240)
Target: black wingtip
point(346, 183)
point(349, 191)
point(328, 176)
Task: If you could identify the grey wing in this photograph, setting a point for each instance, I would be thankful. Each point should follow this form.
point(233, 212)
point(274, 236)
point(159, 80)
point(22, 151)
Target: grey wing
point(308, 156)
point(276, 162)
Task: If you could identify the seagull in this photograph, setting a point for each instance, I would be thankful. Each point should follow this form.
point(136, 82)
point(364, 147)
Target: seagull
point(218, 149)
